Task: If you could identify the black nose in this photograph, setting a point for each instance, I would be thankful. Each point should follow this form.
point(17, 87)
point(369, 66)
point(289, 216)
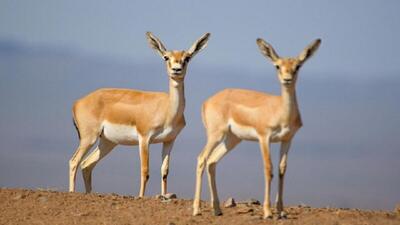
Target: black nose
point(287, 80)
point(177, 69)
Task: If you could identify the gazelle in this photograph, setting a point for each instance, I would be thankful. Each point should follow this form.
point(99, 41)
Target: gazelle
point(133, 117)
point(233, 115)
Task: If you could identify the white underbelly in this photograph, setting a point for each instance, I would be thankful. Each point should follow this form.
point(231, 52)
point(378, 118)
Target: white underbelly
point(128, 135)
point(278, 134)
point(120, 134)
point(243, 132)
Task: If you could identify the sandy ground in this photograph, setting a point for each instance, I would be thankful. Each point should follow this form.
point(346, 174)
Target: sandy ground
point(19, 206)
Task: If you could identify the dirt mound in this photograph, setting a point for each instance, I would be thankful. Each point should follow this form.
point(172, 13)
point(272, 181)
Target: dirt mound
point(49, 207)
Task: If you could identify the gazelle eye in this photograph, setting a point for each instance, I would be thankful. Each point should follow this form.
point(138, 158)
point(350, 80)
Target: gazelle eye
point(187, 59)
point(166, 58)
point(277, 67)
point(298, 67)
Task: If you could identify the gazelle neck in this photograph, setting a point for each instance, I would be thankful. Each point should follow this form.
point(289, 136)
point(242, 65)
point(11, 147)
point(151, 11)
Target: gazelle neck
point(289, 102)
point(176, 100)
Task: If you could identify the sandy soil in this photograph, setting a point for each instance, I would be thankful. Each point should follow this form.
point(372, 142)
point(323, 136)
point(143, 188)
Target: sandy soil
point(49, 207)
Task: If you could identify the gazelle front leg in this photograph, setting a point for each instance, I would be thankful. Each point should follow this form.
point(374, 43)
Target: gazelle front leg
point(282, 170)
point(167, 147)
point(264, 146)
point(144, 163)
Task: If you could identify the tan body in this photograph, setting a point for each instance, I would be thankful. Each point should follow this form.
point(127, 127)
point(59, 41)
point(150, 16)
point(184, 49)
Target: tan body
point(243, 113)
point(154, 114)
point(233, 115)
point(133, 117)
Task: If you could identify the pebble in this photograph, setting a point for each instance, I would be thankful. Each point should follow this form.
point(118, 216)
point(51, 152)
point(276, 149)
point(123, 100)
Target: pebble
point(229, 203)
point(302, 205)
point(166, 197)
point(158, 197)
point(251, 201)
point(170, 196)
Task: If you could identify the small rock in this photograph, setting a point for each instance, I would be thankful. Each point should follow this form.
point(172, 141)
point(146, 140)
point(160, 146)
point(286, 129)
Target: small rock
point(166, 198)
point(251, 201)
point(302, 205)
point(158, 197)
point(128, 197)
point(170, 196)
point(229, 203)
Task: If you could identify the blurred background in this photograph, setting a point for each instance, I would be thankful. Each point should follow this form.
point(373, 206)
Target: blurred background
point(346, 154)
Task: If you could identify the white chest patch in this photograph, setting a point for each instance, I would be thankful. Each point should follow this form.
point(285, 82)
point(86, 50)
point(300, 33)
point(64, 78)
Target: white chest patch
point(279, 133)
point(165, 134)
point(120, 134)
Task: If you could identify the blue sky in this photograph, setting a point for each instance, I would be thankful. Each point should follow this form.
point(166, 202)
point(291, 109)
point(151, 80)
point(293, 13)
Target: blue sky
point(358, 36)
point(346, 155)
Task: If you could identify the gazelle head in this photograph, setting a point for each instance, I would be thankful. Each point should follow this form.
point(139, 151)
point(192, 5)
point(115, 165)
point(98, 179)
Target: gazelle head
point(177, 61)
point(287, 68)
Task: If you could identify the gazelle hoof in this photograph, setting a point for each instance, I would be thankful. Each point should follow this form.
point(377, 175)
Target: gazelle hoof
point(282, 215)
point(196, 212)
point(217, 212)
point(268, 216)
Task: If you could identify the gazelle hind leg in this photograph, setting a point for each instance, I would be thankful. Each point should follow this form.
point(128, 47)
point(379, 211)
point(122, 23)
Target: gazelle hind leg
point(213, 139)
point(84, 145)
point(222, 149)
point(285, 146)
point(105, 146)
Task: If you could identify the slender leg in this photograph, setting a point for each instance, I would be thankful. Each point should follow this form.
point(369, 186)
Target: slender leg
point(213, 139)
point(144, 163)
point(222, 149)
point(285, 146)
point(87, 165)
point(264, 145)
point(84, 145)
point(167, 146)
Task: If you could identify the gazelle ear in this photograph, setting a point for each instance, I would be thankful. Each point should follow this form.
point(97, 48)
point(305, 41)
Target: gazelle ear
point(156, 44)
point(267, 50)
point(309, 50)
point(199, 45)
